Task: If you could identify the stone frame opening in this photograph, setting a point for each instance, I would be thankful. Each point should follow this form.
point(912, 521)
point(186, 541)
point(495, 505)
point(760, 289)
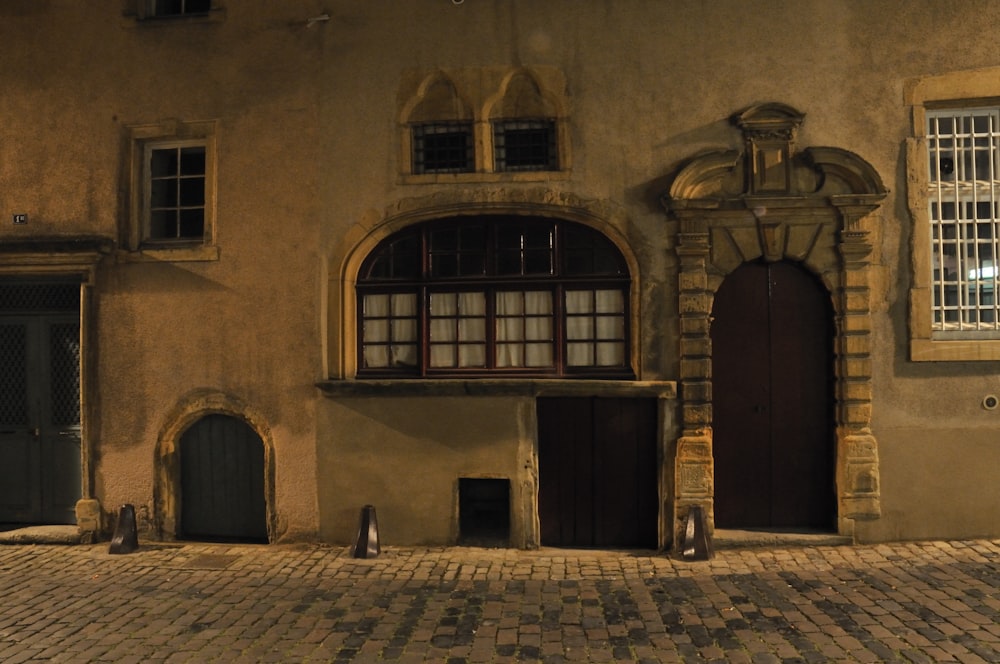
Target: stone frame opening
point(769, 201)
point(167, 477)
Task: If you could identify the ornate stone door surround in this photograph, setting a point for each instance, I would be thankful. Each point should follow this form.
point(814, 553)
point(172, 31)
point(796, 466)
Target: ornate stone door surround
point(770, 202)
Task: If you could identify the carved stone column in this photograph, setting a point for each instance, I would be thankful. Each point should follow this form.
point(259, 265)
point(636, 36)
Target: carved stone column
point(693, 466)
point(857, 449)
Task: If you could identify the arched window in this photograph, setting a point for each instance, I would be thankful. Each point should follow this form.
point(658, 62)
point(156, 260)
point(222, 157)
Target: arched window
point(489, 295)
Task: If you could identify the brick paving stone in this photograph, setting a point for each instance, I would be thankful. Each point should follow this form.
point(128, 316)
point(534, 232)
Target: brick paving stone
point(898, 602)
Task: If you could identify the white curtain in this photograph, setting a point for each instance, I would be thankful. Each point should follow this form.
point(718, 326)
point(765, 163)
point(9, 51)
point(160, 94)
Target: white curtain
point(389, 335)
point(595, 328)
point(524, 329)
point(458, 330)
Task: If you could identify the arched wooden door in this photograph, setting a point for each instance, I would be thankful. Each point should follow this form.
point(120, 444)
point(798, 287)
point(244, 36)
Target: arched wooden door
point(222, 481)
point(772, 399)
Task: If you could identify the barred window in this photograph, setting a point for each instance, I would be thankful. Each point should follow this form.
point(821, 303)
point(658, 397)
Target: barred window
point(494, 295)
point(964, 199)
point(443, 147)
point(525, 145)
point(180, 7)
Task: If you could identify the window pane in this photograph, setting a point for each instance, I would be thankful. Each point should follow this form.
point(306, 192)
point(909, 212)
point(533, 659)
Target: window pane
point(163, 224)
point(376, 330)
point(538, 355)
point(610, 354)
point(443, 356)
point(610, 327)
point(163, 162)
point(192, 161)
point(443, 330)
point(579, 302)
point(192, 191)
point(404, 304)
point(163, 193)
point(376, 356)
point(472, 329)
point(192, 223)
point(404, 355)
point(580, 355)
point(375, 305)
point(404, 329)
point(472, 355)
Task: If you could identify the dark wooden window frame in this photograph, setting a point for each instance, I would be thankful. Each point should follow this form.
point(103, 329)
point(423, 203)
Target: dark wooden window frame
point(404, 264)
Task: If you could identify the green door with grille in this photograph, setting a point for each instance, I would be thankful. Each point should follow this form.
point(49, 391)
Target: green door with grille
point(40, 465)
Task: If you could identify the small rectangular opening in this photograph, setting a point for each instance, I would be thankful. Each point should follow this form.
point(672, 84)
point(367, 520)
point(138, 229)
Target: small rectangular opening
point(483, 512)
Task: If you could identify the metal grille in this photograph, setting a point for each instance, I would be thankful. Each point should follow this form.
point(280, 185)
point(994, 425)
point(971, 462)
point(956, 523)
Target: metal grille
point(27, 297)
point(180, 7)
point(525, 145)
point(64, 357)
point(444, 147)
point(13, 375)
point(964, 198)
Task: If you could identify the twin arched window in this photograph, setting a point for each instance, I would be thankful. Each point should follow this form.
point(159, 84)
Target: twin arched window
point(494, 295)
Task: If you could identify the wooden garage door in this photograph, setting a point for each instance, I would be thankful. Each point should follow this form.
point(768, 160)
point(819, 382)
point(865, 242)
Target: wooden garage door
point(772, 393)
point(597, 472)
point(222, 481)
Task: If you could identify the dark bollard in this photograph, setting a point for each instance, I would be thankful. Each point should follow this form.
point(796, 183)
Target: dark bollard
point(126, 537)
point(697, 544)
point(366, 545)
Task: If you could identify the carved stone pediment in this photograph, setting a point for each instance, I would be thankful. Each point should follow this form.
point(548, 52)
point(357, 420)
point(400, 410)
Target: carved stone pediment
point(769, 167)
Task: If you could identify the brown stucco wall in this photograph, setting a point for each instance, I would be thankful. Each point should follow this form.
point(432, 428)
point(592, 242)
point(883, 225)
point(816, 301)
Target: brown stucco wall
point(405, 456)
point(309, 169)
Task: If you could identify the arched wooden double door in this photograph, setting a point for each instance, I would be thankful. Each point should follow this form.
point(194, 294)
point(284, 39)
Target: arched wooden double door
point(772, 399)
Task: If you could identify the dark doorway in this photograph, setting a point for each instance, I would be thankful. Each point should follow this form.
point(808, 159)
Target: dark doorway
point(597, 467)
point(772, 399)
point(40, 464)
point(222, 481)
point(483, 512)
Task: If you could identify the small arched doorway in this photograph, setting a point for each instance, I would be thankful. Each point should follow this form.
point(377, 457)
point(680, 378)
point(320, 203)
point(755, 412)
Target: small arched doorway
point(773, 399)
point(222, 481)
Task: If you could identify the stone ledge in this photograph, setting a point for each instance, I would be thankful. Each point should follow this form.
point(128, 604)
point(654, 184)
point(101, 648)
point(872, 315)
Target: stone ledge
point(498, 387)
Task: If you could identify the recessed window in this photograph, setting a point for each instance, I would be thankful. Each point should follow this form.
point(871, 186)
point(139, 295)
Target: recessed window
point(172, 192)
point(494, 295)
point(162, 8)
point(176, 192)
point(445, 147)
point(525, 145)
point(964, 199)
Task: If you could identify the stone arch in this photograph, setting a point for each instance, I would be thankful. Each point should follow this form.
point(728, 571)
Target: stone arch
point(166, 479)
point(769, 201)
point(436, 100)
point(362, 238)
point(522, 96)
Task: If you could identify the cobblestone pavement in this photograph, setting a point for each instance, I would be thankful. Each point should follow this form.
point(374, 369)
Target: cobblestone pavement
point(919, 602)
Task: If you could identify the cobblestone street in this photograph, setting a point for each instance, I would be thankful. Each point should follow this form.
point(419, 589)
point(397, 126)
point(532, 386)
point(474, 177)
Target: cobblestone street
point(919, 602)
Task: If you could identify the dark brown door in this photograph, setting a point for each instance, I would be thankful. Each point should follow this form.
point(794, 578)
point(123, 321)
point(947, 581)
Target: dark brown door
point(597, 472)
point(40, 463)
point(222, 481)
point(772, 387)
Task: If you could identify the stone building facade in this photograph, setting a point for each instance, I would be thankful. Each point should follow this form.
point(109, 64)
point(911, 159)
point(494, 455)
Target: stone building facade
point(516, 273)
